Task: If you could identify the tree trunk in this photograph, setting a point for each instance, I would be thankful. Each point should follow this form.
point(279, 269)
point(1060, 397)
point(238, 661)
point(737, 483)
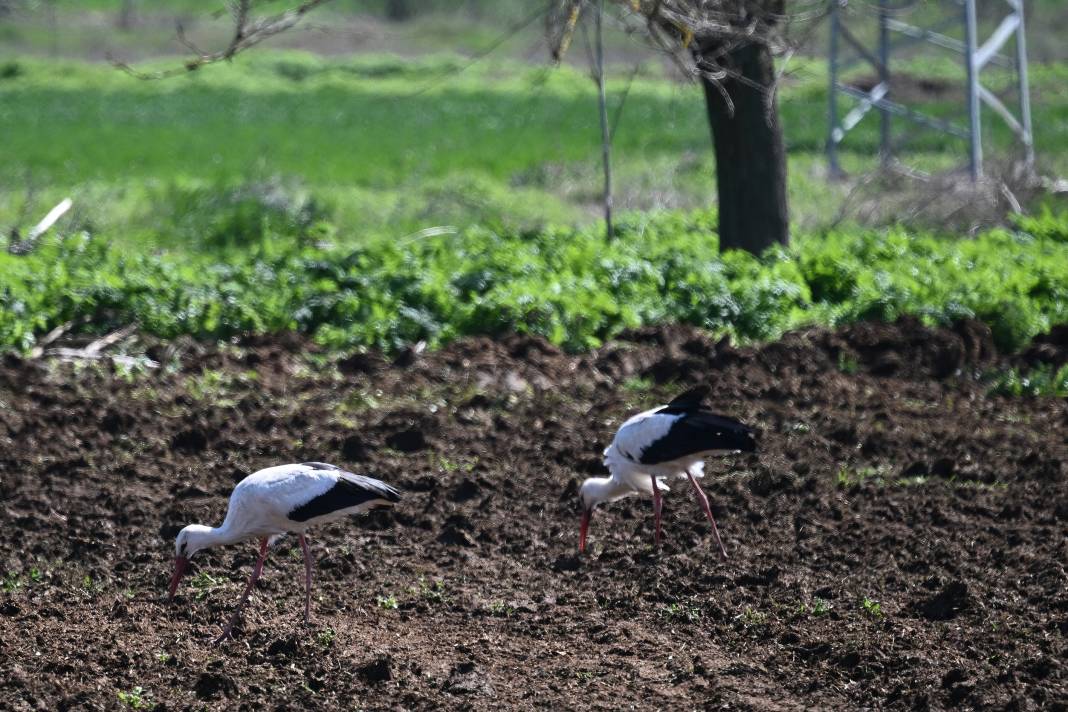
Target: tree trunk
point(750, 154)
point(127, 15)
point(398, 10)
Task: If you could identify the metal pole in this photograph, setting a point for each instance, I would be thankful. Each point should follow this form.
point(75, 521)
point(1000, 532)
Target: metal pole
point(834, 169)
point(970, 42)
point(1021, 78)
point(884, 77)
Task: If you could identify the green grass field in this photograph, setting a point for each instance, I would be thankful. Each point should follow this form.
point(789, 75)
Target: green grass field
point(386, 147)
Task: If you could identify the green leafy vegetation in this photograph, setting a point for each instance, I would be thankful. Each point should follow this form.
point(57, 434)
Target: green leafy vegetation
point(136, 699)
point(752, 617)
point(12, 582)
point(501, 609)
point(637, 384)
point(388, 602)
point(850, 478)
point(816, 608)
point(1044, 380)
point(872, 608)
point(679, 612)
point(571, 286)
point(430, 591)
point(326, 637)
point(203, 584)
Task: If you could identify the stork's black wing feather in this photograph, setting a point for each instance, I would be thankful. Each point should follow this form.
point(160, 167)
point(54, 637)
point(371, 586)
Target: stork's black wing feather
point(697, 430)
point(694, 396)
point(349, 491)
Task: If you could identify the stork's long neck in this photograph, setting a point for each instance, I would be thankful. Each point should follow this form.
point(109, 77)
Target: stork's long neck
point(605, 489)
point(207, 537)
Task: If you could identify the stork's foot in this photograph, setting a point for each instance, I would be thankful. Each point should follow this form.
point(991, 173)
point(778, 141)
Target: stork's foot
point(227, 634)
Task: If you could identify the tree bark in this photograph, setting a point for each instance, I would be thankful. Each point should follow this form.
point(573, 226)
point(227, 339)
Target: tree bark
point(750, 153)
point(398, 10)
point(127, 15)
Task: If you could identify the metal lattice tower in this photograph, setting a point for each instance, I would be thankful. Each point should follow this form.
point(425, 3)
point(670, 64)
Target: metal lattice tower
point(976, 57)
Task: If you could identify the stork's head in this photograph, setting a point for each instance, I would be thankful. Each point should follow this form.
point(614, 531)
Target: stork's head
point(597, 490)
point(189, 541)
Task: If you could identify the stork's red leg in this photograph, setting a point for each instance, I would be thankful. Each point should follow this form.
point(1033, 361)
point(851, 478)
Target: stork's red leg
point(658, 504)
point(307, 580)
point(708, 512)
point(248, 590)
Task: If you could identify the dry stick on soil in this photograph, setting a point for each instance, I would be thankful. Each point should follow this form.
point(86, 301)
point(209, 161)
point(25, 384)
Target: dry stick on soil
point(38, 350)
point(94, 351)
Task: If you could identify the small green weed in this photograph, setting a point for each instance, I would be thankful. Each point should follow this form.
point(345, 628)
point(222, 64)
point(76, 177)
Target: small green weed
point(850, 478)
point(136, 699)
point(681, 612)
point(818, 607)
point(847, 363)
point(463, 464)
point(326, 637)
point(752, 617)
point(218, 387)
point(90, 586)
point(203, 583)
point(431, 591)
point(500, 608)
point(872, 607)
point(388, 602)
point(12, 582)
point(638, 384)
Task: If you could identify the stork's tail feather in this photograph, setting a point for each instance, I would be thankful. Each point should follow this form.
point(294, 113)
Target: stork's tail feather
point(387, 492)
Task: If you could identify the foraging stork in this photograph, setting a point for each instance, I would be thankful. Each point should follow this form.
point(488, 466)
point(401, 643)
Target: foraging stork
point(275, 501)
point(667, 441)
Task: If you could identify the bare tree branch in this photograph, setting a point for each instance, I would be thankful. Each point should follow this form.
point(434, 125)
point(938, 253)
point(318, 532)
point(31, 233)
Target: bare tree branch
point(248, 32)
point(699, 35)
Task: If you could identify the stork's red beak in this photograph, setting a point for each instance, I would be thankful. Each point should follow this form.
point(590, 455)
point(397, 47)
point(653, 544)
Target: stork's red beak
point(584, 527)
point(180, 565)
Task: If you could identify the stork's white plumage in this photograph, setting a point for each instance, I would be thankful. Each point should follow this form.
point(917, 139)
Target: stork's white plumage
point(276, 501)
point(667, 441)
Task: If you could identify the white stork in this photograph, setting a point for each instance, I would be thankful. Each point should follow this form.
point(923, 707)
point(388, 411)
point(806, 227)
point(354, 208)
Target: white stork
point(667, 441)
point(276, 501)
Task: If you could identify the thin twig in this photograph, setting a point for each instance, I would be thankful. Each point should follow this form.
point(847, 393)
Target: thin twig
point(247, 33)
point(67, 354)
point(622, 102)
point(38, 350)
point(107, 340)
point(606, 137)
